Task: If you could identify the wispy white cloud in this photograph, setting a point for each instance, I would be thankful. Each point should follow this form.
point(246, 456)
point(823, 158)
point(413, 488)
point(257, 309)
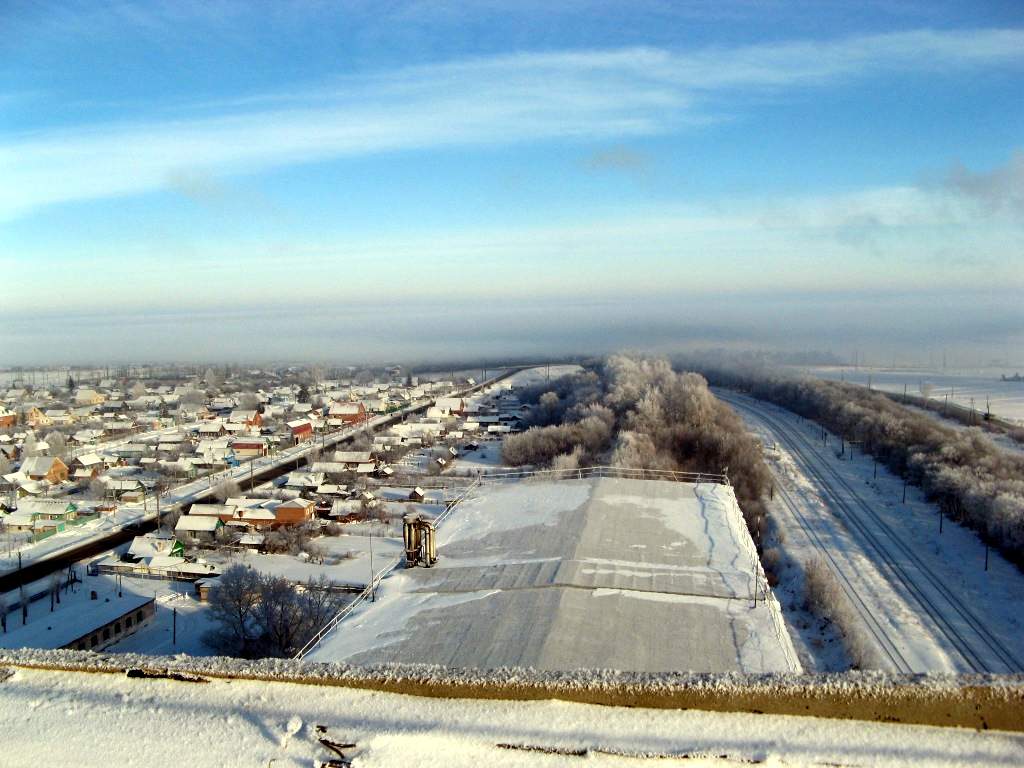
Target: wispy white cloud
point(874, 239)
point(496, 100)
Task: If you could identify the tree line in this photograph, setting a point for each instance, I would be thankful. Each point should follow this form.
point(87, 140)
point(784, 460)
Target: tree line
point(639, 412)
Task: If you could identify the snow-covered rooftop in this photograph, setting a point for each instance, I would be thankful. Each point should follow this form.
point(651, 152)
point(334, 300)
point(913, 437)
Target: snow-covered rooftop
point(602, 573)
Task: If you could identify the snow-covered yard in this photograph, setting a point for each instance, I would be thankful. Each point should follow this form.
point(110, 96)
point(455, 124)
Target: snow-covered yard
point(346, 561)
point(177, 627)
point(485, 458)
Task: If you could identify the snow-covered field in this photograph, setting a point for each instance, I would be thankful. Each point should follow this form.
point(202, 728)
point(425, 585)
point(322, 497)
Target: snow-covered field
point(531, 376)
point(45, 377)
point(104, 720)
point(1006, 398)
point(925, 595)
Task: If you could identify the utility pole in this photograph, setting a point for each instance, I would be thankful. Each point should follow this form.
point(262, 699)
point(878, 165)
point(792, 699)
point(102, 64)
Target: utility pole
point(174, 626)
point(22, 598)
point(373, 587)
point(755, 582)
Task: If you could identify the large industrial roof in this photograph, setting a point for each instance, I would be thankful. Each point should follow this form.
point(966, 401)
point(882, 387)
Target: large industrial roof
point(634, 575)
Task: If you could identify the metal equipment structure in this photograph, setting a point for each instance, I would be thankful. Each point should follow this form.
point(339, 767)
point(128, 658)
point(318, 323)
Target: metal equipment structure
point(419, 534)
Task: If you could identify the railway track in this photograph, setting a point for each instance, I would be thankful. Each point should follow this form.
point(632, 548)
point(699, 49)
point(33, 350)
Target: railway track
point(964, 631)
point(885, 643)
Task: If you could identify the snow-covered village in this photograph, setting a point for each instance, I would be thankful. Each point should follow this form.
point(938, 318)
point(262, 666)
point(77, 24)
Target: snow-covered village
point(571, 383)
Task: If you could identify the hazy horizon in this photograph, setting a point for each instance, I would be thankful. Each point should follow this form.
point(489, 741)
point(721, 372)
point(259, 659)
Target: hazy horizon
point(871, 327)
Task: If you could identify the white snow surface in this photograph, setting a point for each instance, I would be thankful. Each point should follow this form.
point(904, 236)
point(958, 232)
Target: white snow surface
point(530, 376)
point(347, 559)
point(109, 719)
point(571, 574)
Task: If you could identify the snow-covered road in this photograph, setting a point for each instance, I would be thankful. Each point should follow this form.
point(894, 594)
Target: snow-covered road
point(923, 595)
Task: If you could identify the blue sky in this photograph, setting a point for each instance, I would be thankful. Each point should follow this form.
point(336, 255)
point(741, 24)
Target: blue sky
point(174, 157)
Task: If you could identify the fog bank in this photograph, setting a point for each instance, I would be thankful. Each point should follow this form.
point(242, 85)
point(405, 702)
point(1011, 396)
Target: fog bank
point(971, 329)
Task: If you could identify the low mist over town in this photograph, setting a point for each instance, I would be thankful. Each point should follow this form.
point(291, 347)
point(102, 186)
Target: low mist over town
point(527, 384)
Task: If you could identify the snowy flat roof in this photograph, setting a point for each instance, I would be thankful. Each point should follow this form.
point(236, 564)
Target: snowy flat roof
point(210, 509)
point(353, 457)
point(645, 576)
point(197, 523)
point(76, 615)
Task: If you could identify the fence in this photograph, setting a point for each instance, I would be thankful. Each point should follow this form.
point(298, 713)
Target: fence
point(622, 473)
point(760, 590)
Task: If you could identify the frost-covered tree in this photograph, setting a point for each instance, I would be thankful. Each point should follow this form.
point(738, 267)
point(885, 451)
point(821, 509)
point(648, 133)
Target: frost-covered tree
point(233, 605)
point(226, 489)
point(29, 446)
point(58, 443)
point(971, 479)
point(193, 397)
point(212, 379)
point(248, 401)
